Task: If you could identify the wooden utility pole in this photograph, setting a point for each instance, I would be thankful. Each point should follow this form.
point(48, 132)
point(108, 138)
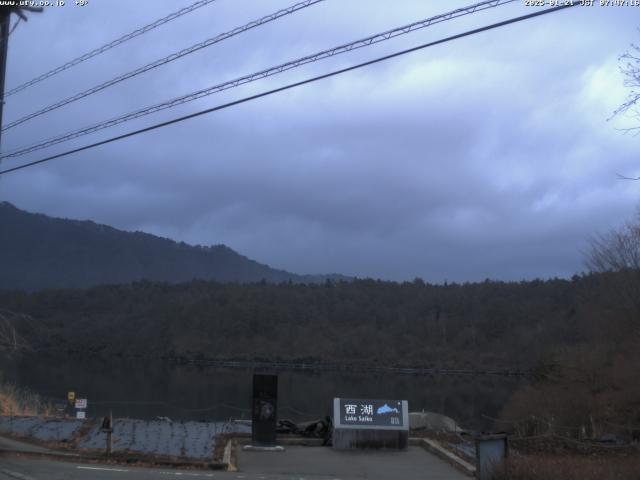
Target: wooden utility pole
point(107, 427)
point(5, 25)
point(109, 433)
point(5, 17)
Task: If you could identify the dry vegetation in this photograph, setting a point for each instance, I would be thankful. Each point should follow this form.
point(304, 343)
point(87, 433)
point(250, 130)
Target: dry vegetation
point(16, 401)
point(592, 391)
point(570, 467)
point(12, 342)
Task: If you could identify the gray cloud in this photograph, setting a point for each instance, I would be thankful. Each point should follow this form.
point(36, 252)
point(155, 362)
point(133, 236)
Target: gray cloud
point(485, 157)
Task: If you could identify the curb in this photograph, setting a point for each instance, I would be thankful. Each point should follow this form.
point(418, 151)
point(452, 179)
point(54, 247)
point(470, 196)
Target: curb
point(227, 457)
point(116, 459)
point(439, 451)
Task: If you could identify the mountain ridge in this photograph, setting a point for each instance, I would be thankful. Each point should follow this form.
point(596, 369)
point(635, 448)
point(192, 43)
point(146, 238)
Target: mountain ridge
point(38, 251)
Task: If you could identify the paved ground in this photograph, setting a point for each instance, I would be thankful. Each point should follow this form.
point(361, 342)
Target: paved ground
point(315, 462)
point(10, 444)
point(28, 469)
point(317, 465)
point(295, 463)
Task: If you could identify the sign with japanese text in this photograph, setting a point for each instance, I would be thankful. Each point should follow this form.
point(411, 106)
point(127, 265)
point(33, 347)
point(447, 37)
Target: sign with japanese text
point(369, 413)
point(81, 403)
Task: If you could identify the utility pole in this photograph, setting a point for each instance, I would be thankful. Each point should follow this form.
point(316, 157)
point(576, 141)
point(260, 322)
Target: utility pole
point(5, 17)
point(109, 432)
point(5, 25)
point(107, 427)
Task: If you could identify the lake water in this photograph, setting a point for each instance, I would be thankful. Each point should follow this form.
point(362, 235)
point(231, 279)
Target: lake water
point(147, 389)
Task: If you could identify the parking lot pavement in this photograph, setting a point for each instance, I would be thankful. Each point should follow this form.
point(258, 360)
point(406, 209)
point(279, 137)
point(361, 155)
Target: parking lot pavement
point(298, 462)
point(14, 445)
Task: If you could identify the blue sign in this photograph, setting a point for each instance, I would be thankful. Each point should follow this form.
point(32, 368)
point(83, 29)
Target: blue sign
point(358, 413)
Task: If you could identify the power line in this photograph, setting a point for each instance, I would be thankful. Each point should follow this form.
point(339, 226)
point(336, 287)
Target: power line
point(364, 42)
point(110, 45)
point(5, 32)
point(291, 85)
point(162, 61)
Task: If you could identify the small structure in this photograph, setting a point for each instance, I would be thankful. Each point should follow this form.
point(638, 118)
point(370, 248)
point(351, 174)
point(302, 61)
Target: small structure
point(368, 423)
point(491, 451)
point(264, 413)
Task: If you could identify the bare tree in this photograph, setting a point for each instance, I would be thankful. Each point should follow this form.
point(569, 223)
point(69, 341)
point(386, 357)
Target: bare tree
point(10, 340)
point(617, 250)
point(630, 68)
point(616, 257)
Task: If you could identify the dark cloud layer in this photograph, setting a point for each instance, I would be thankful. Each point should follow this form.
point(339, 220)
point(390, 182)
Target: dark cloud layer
point(486, 157)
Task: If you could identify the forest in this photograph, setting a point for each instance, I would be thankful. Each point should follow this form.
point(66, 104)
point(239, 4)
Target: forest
point(487, 324)
point(579, 336)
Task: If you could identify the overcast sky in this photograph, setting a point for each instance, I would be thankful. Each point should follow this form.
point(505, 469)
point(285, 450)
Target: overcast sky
point(489, 156)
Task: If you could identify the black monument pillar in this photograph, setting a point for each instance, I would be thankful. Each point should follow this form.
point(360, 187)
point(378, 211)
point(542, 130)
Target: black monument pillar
point(265, 408)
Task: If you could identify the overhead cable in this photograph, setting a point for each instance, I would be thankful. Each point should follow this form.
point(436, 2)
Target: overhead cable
point(364, 42)
point(109, 46)
point(290, 86)
point(164, 60)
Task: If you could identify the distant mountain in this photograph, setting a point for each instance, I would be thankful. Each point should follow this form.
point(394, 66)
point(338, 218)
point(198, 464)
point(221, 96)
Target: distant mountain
point(38, 251)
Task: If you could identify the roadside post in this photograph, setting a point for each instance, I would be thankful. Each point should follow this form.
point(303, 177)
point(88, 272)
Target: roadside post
point(61, 409)
point(264, 413)
point(107, 427)
point(491, 451)
point(71, 399)
point(369, 423)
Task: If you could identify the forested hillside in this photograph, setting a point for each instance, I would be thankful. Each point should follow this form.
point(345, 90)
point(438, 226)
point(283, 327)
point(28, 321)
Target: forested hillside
point(581, 334)
point(37, 251)
point(482, 324)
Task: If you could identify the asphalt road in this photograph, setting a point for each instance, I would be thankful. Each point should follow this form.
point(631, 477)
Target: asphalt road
point(16, 446)
point(295, 463)
point(29, 469)
point(323, 462)
point(13, 468)
point(25, 469)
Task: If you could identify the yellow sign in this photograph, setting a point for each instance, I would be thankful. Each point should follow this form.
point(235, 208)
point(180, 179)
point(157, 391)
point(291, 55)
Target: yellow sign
point(71, 396)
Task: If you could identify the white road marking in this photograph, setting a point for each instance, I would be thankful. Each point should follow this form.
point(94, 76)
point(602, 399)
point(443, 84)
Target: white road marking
point(185, 474)
point(17, 475)
point(166, 472)
point(102, 468)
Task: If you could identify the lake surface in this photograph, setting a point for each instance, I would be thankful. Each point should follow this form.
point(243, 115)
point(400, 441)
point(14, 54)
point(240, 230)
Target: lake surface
point(147, 389)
